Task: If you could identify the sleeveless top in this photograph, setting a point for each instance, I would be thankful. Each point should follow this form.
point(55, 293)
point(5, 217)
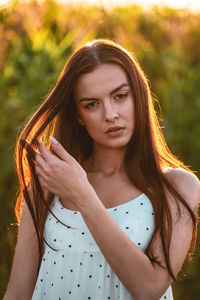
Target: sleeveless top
point(77, 270)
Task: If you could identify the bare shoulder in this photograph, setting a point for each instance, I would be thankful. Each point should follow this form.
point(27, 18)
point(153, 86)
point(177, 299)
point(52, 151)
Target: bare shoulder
point(186, 183)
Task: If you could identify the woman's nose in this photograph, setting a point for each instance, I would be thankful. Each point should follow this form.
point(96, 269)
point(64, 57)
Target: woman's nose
point(110, 113)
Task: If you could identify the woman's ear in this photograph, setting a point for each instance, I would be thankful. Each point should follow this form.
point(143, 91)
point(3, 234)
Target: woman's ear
point(80, 121)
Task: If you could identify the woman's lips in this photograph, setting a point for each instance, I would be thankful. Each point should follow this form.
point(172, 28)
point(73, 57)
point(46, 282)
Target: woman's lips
point(115, 132)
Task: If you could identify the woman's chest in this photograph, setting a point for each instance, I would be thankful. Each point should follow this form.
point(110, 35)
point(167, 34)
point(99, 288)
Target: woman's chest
point(135, 218)
point(113, 191)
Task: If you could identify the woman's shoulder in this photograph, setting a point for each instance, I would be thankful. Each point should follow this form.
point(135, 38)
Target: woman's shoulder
point(182, 177)
point(186, 183)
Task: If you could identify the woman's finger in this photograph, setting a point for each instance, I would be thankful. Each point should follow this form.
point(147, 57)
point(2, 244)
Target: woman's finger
point(40, 172)
point(46, 153)
point(60, 151)
point(42, 183)
point(41, 162)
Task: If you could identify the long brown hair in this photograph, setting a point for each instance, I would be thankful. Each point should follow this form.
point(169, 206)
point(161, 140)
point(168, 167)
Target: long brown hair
point(147, 152)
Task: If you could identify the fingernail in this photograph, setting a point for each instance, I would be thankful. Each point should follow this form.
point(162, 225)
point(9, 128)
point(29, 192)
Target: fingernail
point(53, 140)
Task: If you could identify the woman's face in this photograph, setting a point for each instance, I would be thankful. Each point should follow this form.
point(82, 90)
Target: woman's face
point(105, 105)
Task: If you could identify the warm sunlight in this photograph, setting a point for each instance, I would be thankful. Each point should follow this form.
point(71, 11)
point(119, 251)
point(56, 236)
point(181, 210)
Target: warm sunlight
point(193, 5)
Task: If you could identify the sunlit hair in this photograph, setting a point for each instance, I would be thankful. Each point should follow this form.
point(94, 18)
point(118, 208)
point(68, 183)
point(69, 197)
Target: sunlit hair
point(146, 157)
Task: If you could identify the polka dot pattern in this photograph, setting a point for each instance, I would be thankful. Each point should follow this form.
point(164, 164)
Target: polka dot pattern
point(78, 269)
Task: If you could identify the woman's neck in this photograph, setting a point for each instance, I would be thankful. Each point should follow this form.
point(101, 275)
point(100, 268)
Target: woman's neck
point(106, 161)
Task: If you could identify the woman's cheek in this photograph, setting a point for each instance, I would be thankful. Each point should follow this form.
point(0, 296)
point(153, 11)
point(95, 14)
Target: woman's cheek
point(93, 130)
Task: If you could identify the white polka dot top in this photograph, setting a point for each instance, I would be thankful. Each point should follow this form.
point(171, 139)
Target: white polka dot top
point(78, 269)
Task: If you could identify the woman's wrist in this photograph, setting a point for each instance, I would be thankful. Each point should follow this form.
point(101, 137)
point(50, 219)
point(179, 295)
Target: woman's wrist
point(88, 200)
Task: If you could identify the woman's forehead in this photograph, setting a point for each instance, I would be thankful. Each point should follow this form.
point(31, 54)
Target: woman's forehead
point(104, 78)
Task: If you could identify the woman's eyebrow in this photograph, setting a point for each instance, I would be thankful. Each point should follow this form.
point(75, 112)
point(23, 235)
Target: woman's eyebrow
point(119, 88)
point(112, 92)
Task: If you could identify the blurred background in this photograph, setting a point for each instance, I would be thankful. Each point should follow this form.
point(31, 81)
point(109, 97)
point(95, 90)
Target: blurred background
point(36, 39)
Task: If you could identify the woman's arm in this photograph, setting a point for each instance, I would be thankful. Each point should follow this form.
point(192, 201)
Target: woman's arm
point(24, 268)
point(143, 279)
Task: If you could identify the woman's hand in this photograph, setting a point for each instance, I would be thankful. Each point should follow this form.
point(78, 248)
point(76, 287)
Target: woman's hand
point(62, 174)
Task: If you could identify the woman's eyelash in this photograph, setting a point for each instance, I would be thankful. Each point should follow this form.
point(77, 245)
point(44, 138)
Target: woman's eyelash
point(90, 105)
point(122, 95)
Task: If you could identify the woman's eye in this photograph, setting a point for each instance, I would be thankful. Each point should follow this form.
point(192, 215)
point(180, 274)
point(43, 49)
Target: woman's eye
point(121, 96)
point(90, 105)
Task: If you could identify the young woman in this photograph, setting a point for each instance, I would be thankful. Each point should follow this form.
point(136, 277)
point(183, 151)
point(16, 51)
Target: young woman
point(109, 212)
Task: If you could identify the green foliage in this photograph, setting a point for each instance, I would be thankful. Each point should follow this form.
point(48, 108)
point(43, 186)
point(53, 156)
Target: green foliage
point(36, 40)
